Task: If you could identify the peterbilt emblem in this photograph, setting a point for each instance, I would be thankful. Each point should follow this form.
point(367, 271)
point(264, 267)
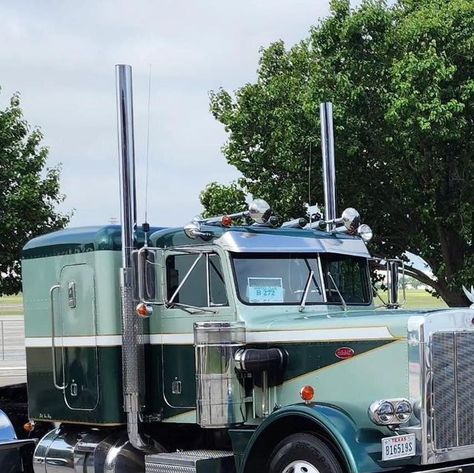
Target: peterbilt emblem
point(344, 352)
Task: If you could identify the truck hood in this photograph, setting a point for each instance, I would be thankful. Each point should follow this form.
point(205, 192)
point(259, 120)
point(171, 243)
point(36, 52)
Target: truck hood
point(377, 323)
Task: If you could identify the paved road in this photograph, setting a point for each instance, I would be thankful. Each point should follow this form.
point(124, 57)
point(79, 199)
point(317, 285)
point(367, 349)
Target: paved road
point(12, 350)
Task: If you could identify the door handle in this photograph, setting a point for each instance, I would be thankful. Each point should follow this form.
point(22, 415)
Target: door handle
point(53, 336)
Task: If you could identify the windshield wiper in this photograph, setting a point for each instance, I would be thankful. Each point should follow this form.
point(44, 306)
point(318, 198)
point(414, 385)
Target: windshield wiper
point(337, 290)
point(190, 309)
point(306, 291)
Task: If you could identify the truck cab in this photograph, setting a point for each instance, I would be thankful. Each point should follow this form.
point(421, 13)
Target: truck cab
point(236, 348)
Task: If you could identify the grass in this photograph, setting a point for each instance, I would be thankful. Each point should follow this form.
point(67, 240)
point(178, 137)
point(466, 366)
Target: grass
point(418, 299)
point(11, 305)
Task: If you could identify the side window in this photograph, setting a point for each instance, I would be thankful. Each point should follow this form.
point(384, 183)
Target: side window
point(216, 282)
point(199, 279)
point(349, 274)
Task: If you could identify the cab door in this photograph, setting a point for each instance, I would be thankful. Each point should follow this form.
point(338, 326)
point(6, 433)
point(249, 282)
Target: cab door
point(78, 328)
point(195, 290)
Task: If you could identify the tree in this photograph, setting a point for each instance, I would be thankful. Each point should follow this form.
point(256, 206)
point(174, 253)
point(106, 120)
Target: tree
point(29, 193)
point(401, 78)
point(218, 199)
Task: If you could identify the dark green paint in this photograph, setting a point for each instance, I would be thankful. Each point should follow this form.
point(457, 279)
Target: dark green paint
point(179, 365)
point(108, 237)
point(311, 356)
point(81, 366)
point(47, 402)
point(240, 438)
point(79, 240)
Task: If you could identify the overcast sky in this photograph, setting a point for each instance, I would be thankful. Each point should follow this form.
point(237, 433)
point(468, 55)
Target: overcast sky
point(60, 56)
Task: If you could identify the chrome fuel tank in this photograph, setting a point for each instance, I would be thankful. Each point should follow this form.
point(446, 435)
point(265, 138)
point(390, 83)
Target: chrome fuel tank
point(89, 451)
point(220, 395)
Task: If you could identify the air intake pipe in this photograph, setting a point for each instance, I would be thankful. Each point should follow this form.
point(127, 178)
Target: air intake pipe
point(266, 366)
point(257, 361)
point(132, 330)
point(329, 165)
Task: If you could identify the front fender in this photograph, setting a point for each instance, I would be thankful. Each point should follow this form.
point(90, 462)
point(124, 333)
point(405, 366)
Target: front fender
point(335, 424)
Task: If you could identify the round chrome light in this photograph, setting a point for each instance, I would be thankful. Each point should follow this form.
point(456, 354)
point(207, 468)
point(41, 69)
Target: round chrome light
point(259, 211)
point(383, 413)
point(403, 411)
point(365, 232)
point(351, 219)
point(192, 230)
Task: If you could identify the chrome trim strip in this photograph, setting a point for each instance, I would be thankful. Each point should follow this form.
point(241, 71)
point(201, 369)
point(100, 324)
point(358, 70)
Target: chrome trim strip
point(446, 469)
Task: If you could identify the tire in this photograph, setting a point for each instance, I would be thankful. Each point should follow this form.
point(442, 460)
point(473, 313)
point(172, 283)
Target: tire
point(303, 453)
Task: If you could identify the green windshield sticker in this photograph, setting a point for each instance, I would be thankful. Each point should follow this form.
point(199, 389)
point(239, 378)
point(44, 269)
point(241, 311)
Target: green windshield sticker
point(262, 290)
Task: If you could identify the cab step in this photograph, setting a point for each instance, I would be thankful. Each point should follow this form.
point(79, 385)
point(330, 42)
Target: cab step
point(191, 461)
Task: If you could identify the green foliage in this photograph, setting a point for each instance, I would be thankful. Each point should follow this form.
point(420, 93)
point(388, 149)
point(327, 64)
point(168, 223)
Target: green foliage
point(401, 78)
point(29, 193)
point(219, 199)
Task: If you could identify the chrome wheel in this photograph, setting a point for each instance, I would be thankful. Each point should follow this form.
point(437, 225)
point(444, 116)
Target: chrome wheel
point(300, 466)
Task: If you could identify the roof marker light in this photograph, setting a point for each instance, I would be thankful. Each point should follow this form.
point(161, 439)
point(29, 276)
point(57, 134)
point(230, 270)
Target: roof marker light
point(226, 221)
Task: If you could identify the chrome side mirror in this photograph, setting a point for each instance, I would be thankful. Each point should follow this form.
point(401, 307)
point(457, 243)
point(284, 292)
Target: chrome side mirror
point(393, 266)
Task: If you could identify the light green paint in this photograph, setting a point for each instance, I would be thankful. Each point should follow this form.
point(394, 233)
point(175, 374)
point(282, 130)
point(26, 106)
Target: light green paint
point(355, 383)
point(102, 277)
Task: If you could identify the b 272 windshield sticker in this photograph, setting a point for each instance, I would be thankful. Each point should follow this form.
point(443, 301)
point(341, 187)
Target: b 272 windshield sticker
point(265, 290)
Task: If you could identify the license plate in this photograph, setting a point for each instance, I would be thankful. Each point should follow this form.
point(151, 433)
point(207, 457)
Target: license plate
point(399, 446)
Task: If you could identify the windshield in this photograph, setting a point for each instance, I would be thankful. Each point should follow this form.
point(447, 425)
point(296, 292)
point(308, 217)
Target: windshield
point(282, 279)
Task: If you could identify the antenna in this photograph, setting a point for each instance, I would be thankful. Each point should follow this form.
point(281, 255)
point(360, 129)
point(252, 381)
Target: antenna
point(309, 177)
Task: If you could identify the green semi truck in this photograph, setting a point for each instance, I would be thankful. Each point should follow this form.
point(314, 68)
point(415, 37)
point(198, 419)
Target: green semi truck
point(244, 348)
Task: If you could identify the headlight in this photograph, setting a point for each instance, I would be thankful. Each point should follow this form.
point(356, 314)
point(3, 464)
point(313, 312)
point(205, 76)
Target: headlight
point(390, 411)
point(403, 411)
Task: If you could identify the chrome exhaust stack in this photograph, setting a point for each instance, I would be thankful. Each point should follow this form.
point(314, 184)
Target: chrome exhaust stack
point(132, 329)
point(329, 165)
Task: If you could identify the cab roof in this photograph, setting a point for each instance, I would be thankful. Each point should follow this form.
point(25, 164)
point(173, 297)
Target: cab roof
point(253, 238)
point(261, 239)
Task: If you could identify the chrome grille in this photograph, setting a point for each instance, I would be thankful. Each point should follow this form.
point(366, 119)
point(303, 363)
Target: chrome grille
point(453, 386)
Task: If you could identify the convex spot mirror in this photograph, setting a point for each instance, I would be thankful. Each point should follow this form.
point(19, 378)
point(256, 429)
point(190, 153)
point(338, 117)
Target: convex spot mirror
point(260, 211)
point(351, 220)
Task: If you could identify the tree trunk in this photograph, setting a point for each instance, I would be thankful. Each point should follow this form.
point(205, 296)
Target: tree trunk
point(452, 298)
